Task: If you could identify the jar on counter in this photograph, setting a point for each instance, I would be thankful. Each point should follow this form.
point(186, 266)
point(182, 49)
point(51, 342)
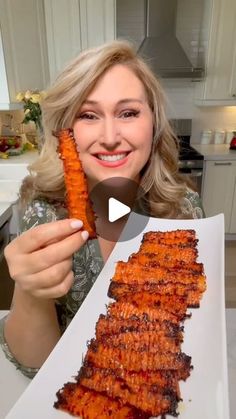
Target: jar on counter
point(219, 137)
point(206, 137)
point(229, 135)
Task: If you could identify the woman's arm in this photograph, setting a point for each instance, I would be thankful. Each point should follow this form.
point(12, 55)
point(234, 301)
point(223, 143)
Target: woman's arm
point(40, 263)
point(31, 329)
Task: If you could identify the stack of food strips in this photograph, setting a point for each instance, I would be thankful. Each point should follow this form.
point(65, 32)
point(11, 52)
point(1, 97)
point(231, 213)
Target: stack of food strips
point(133, 366)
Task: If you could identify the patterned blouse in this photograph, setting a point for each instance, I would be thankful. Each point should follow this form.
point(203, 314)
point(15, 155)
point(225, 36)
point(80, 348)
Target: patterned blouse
point(87, 264)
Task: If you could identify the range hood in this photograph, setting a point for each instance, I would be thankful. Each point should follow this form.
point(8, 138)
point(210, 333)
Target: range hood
point(161, 47)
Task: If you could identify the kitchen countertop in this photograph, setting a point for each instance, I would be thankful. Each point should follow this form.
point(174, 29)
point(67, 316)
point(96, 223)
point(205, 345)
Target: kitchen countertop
point(5, 212)
point(24, 159)
point(215, 151)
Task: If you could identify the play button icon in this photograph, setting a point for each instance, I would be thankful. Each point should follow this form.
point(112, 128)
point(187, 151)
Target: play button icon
point(116, 209)
point(114, 200)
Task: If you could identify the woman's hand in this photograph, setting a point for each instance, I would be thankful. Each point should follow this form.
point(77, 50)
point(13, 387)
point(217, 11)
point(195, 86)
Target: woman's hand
point(40, 260)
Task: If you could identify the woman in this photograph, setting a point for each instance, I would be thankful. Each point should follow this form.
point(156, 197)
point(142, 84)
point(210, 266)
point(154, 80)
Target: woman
point(115, 106)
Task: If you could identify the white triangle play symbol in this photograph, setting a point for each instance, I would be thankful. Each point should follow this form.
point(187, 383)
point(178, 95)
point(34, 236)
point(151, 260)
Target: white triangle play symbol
point(116, 209)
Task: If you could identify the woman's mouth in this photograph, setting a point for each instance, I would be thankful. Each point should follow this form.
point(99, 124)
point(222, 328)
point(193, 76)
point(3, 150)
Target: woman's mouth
point(112, 157)
point(112, 160)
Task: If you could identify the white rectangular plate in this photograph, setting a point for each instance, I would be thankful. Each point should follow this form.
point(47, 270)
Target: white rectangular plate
point(205, 393)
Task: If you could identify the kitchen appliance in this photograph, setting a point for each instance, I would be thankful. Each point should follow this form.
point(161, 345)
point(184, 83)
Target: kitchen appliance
point(4, 238)
point(206, 137)
point(233, 142)
point(190, 160)
point(5, 216)
point(219, 137)
point(161, 45)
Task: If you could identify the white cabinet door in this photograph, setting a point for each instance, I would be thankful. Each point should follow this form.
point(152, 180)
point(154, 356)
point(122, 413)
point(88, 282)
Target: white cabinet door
point(232, 228)
point(74, 25)
point(24, 44)
point(97, 22)
point(218, 189)
point(4, 92)
point(63, 33)
point(219, 86)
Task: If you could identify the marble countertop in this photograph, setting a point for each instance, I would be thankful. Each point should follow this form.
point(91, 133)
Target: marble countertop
point(215, 151)
point(23, 159)
point(13, 383)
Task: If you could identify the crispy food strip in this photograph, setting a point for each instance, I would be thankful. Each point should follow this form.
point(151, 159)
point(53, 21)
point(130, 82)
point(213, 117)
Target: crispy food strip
point(152, 260)
point(143, 341)
point(118, 290)
point(152, 402)
point(134, 273)
point(129, 311)
point(108, 325)
point(177, 237)
point(174, 255)
point(157, 381)
point(78, 202)
point(172, 303)
point(104, 357)
point(80, 401)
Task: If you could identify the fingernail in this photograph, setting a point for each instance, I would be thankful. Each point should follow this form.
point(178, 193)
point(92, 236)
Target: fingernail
point(85, 235)
point(76, 224)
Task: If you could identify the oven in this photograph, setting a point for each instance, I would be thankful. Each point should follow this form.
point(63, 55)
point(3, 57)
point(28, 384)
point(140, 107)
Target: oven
point(194, 170)
point(4, 238)
point(190, 160)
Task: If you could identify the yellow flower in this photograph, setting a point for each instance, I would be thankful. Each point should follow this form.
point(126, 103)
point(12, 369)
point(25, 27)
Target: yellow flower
point(35, 98)
point(20, 97)
point(43, 94)
point(27, 111)
point(28, 94)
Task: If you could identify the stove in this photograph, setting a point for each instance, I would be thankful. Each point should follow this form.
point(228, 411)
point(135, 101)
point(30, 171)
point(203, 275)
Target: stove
point(190, 160)
point(188, 156)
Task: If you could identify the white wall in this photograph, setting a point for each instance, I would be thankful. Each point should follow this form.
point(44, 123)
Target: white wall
point(180, 104)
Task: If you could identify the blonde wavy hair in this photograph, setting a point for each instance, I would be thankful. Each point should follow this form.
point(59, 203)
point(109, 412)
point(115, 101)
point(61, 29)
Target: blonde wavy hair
point(164, 188)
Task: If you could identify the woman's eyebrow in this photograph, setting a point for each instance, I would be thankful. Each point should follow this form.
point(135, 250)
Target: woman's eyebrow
point(130, 100)
point(122, 101)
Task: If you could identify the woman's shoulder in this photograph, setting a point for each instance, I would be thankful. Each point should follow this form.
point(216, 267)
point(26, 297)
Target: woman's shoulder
point(192, 204)
point(41, 211)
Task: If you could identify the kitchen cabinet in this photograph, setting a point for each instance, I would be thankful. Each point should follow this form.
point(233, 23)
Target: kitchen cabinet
point(233, 216)
point(219, 86)
point(12, 172)
point(74, 25)
point(23, 48)
point(219, 191)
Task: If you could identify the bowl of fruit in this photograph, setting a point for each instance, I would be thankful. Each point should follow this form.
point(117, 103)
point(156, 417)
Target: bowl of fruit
point(11, 145)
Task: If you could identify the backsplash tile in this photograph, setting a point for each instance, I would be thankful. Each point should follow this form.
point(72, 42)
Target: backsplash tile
point(181, 104)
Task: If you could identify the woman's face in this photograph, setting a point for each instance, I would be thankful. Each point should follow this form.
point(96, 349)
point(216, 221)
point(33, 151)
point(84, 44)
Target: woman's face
point(113, 129)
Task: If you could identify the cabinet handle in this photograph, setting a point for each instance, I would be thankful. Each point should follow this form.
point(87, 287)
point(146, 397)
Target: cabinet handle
point(227, 163)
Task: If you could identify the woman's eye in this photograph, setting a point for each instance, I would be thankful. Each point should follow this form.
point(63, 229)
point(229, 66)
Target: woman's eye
point(87, 115)
point(130, 114)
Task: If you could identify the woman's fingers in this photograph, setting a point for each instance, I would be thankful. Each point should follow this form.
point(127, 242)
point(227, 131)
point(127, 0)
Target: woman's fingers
point(54, 253)
point(44, 258)
point(40, 260)
point(41, 235)
point(56, 291)
point(47, 278)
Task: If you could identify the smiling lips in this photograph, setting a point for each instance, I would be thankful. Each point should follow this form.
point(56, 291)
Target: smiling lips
point(114, 159)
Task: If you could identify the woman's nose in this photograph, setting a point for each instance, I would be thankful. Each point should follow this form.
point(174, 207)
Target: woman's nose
point(110, 135)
